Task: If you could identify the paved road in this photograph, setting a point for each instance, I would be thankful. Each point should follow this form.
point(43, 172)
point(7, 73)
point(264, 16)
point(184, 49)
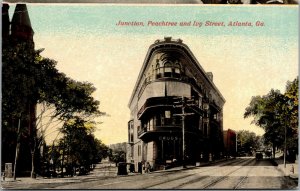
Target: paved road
point(242, 173)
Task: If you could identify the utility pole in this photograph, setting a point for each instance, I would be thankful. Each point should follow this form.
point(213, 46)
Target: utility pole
point(183, 104)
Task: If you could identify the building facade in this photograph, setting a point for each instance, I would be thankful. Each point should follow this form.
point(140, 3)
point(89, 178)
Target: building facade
point(176, 110)
point(230, 143)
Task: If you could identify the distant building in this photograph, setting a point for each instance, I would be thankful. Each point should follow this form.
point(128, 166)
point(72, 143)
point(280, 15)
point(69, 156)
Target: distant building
point(169, 76)
point(230, 143)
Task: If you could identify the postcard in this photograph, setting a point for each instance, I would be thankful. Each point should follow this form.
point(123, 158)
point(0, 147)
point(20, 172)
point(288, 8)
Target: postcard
point(139, 95)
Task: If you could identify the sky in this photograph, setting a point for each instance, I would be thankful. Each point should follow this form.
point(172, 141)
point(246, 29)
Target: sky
point(245, 61)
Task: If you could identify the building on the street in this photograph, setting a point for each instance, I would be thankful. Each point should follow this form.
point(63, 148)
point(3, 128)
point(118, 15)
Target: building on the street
point(230, 143)
point(171, 78)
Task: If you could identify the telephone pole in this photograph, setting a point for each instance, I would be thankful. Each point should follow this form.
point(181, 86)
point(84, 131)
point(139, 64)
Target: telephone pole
point(183, 103)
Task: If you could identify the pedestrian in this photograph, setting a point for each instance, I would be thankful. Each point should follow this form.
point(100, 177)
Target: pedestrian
point(147, 167)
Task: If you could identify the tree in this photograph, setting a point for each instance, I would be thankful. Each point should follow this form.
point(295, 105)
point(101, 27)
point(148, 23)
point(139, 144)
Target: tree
point(291, 95)
point(117, 156)
point(30, 79)
point(248, 141)
point(79, 147)
point(276, 113)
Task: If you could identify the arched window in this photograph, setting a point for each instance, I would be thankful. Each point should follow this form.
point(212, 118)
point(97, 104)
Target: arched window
point(172, 69)
point(176, 70)
point(168, 69)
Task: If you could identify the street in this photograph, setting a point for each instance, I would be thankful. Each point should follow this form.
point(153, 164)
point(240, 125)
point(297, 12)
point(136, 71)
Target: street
point(240, 173)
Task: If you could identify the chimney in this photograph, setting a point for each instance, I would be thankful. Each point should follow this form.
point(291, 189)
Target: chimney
point(5, 22)
point(168, 39)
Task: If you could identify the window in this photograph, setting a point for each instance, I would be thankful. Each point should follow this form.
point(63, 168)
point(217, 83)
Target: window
point(168, 119)
point(168, 114)
point(176, 70)
point(130, 131)
point(200, 102)
point(158, 70)
point(139, 150)
point(151, 124)
point(138, 129)
point(168, 69)
point(176, 120)
point(162, 119)
point(157, 120)
point(200, 123)
point(132, 153)
point(172, 69)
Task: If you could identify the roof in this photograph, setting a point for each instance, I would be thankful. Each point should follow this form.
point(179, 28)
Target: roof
point(21, 16)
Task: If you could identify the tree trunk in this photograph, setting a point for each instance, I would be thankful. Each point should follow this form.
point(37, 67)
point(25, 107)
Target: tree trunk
point(32, 165)
point(33, 138)
point(273, 150)
point(17, 149)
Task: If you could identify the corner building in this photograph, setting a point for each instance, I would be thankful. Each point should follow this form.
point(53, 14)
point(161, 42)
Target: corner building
point(171, 78)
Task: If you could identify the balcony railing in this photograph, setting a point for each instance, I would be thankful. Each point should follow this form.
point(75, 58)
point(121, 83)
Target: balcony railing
point(154, 102)
point(182, 78)
point(165, 102)
point(165, 128)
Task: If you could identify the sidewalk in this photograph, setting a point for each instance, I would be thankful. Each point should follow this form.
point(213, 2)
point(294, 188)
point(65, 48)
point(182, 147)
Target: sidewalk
point(291, 170)
point(99, 172)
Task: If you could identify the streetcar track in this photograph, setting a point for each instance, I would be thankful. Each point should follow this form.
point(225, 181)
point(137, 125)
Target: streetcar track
point(174, 179)
point(198, 172)
point(186, 175)
point(242, 180)
point(226, 176)
point(192, 181)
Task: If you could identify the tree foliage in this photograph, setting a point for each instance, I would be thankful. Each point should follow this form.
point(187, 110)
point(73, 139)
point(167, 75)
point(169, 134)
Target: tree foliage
point(248, 141)
point(30, 79)
point(117, 156)
point(78, 148)
point(82, 147)
point(275, 113)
